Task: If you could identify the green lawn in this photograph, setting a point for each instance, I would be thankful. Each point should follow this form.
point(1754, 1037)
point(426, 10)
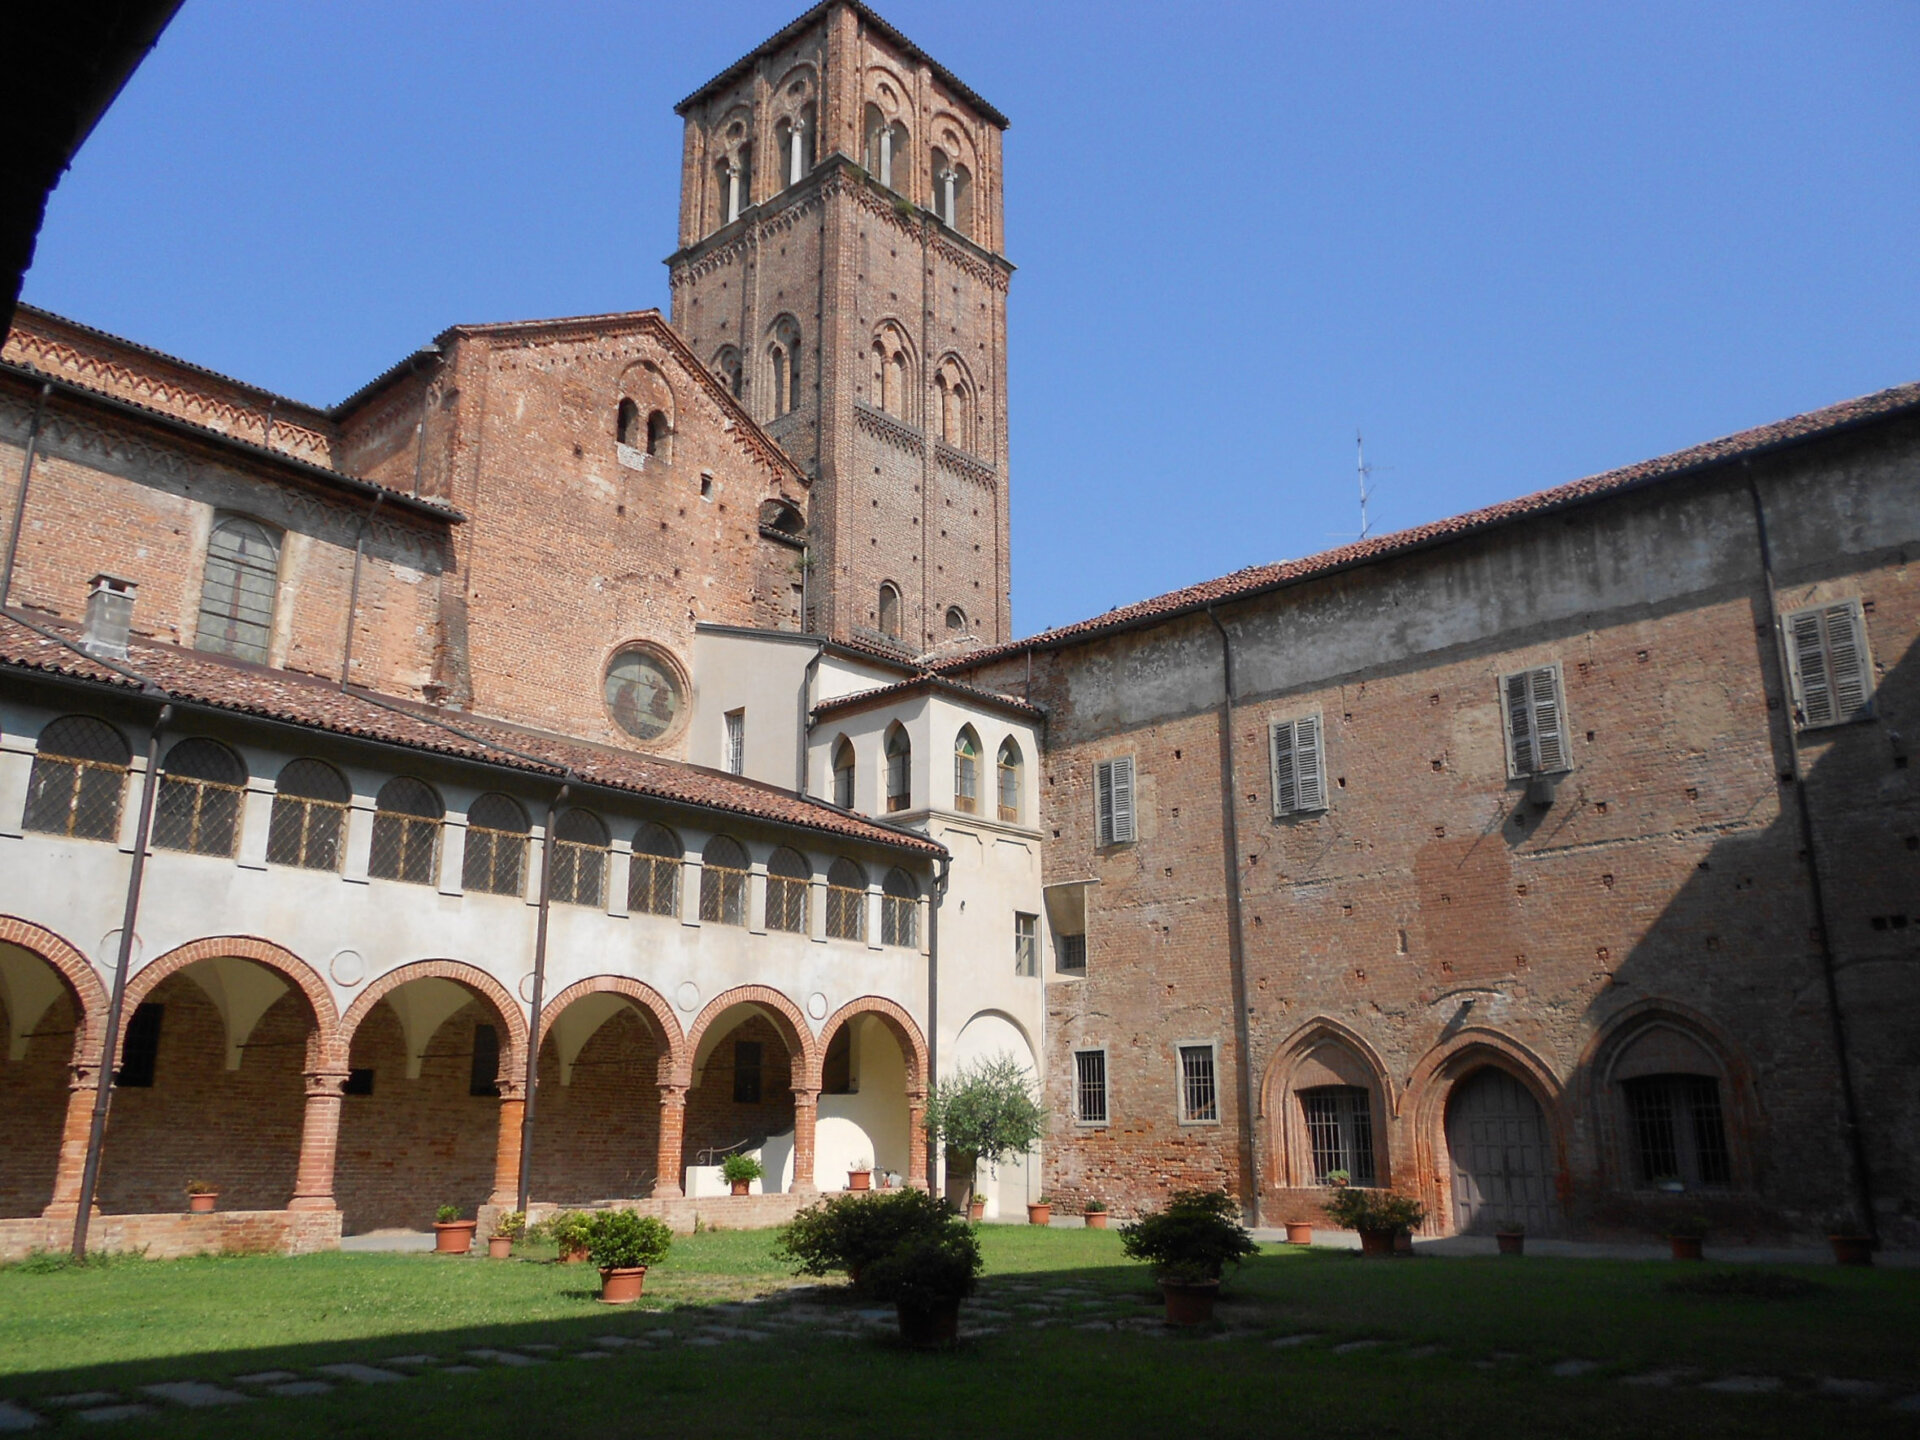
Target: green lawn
point(1502, 1322)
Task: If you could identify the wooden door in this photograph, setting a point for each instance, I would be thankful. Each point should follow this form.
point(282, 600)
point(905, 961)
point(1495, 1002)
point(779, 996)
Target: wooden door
point(1502, 1160)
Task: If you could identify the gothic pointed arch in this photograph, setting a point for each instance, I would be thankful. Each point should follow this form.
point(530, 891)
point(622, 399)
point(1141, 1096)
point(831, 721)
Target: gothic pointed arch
point(893, 372)
point(1329, 1102)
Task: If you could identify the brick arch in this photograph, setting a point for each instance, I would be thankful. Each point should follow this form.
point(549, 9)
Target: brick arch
point(787, 1019)
point(323, 1045)
point(1296, 1047)
point(1281, 1163)
point(900, 1025)
point(676, 1054)
point(513, 1060)
point(1432, 1082)
point(83, 982)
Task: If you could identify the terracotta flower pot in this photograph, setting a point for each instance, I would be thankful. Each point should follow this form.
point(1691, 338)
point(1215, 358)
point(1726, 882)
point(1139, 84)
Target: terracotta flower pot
point(740, 1186)
point(930, 1327)
point(1851, 1249)
point(977, 1209)
point(622, 1286)
point(201, 1204)
point(1039, 1214)
point(859, 1179)
point(1299, 1232)
point(1376, 1242)
point(1511, 1242)
point(1686, 1247)
point(573, 1257)
point(1096, 1219)
point(1189, 1302)
point(453, 1237)
point(499, 1247)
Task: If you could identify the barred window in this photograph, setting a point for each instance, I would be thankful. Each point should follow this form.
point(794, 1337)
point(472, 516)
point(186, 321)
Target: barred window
point(237, 591)
point(1026, 944)
point(1071, 951)
point(653, 882)
point(843, 774)
point(198, 806)
point(1008, 766)
point(1199, 1100)
point(966, 771)
point(899, 770)
point(309, 823)
point(723, 882)
point(1340, 1132)
point(78, 779)
point(1090, 1087)
point(846, 901)
point(577, 860)
point(495, 862)
point(406, 832)
point(899, 910)
point(789, 878)
point(1679, 1133)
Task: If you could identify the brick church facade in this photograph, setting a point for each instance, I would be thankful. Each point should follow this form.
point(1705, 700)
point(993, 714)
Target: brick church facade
point(600, 744)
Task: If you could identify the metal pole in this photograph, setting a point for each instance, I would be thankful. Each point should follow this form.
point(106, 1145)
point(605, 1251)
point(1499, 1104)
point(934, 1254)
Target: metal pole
point(20, 500)
point(539, 985)
point(103, 1080)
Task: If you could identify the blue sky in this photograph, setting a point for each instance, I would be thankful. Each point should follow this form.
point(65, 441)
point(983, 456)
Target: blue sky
point(1515, 243)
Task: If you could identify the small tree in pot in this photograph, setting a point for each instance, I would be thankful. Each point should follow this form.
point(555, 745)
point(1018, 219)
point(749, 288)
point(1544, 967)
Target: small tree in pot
point(1377, 1214)
point(1190, 1244)
point(926, 1276)
point(740, 1171)
point(986, 1111)
point(623, 1243)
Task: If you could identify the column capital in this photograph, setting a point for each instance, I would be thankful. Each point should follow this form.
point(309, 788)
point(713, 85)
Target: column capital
point(674, 1095)
point(84, 1077)
point(323, 1083)
point(512, 1092)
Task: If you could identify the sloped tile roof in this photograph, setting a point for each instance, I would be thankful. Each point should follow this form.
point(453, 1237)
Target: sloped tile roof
point(973, 694)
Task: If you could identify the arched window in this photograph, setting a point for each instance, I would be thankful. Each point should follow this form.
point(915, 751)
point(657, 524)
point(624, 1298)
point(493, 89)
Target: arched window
point(1676, 1128)
point(966, 771)
point(1339, 1120)
point(726, 364)
point(892, 373)
point(198, 807)
point(1007, 767)
point(406, 832)
point(783, 360)
point(890, 610)
point(238, 589)
point(495, 862)
point(309, 820)
point(626, 427)
point(886, 149)
point(653, 881)
point(952, 192)
point(843, 773)
point(723, 882)
point(79, 775)
point(659, 436)
point(846, 901)
point(899, 909)
point(789, 877)
point(577, 865)
point(954, 395)
point(899, 769)
point(956, 620)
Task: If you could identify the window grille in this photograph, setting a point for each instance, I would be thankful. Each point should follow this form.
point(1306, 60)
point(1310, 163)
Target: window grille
point(1535, 721)
point(142, 1050)
point(198, 806)
point(1299, 773)
point(1072, 953)
point(484, 1077)
point(1009, 777)
point(966, 773)
point(309, 820)
point(577, 862)
point(1198, 1097)
point(789, 878)
point(899, 770)
point(406, 832)
point(736, 760)
point(1026, 944)
point(653, 881)
point(843, 775)
point(1679, 1133)
point(495, 862)
point(747, 1063)
point(78, 780)
point(237, 592)
point(1340, 1132)
point(1113, 798)
point(899, 910)
point(1090, 1087)
point(1833, 678)
point(846, 901)
point(723, 882)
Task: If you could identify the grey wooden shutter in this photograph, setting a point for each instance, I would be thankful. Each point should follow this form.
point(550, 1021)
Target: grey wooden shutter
point(1520, 723)
point(1846, 660)
point(1810, 659)
point(1103, 802)
point(1286, 788)
point(1549, 747)
point(1830, 661)
point(1113, 784)
point(1310, 772)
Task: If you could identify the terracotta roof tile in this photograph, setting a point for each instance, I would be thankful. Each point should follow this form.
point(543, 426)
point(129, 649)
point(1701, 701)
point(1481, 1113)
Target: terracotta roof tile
point(972, 693)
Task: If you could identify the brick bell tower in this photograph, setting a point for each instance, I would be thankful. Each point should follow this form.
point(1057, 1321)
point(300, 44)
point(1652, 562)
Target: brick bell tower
point(840, 268)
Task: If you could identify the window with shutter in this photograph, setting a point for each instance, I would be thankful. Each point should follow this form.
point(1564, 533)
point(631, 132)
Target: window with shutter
point(1299, 774)
point(1113, 791)
point(1536, 724)
point(1833, 680)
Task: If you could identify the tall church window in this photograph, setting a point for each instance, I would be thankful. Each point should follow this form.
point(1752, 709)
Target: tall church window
point(783, 360)
point(726, 365)
point(406, 832)
point(237, 591)
point(899, 769)
point(892, 373)
point(1008, 767)
point(890, 610)
point(954, 396)
point(952, 192)
point(886, 150)
point(793, 139)
point(659, 436)
point(843, 774)
point(79, 775)
point(966, 771)
point(626, 427)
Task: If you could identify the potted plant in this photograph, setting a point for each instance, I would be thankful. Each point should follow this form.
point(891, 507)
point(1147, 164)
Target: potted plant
point(1687, 1237)
point(1040, 1212)
point(623, 1243)
point(1378, 1215)
point(201, 1195)
point(985, 1112)
point(1189, 1244)
point(851, 1233)
point(927, 1276)
point(740, 1171)
point(511, 1226)
point(1851, 1249)
point(1512, 1239)
point(1299, 1232)
point(451, 1234)
point(860, 1175)
point(567, 1229)
point(976, 1207)
point(1096, 1213)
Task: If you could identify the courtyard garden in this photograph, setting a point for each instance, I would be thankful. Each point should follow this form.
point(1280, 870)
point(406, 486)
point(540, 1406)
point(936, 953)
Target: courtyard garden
point(1064, 1336)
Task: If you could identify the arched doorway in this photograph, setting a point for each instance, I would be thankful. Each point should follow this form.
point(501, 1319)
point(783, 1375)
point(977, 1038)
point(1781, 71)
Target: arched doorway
point(872, 1090)
point(1010, 1184)
point(43, 1019)
point(748, 1062)
point(1502, 1156)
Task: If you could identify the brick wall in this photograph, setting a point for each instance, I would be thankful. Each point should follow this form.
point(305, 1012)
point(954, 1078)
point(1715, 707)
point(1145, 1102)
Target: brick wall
point(33, 1106)
point(714, 1121)
point(597, 1136)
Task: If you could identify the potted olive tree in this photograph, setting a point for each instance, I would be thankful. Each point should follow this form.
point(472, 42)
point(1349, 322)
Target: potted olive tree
point(1190, 1244)
point(1096, 1213)
point(201, 1196)
point(510, 1227)
point(451, 1234)
point(1379, 1215)
point(740, 1171)
point(926, 1276)
point(623, 1243)
point(985, 1112)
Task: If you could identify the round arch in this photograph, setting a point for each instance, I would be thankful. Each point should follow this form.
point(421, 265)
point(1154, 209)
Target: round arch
point(1471, 1049)
point(325, 1047)
point(513, 1060)
point(785, 1015)
point(649, 1002)
point(1026, 1038)
point(901, 1025)
point(74, 969)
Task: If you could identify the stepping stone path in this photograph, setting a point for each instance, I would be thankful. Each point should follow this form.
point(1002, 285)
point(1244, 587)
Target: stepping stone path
point(115, 1412)
point(194, 1394)
point(1744, 1385)
point(16, 1417)
point(365, 1374)
point(1568, 1369)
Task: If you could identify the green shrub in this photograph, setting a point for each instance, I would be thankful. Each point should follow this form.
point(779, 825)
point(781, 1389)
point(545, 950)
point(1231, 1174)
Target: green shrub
point(447, 1214)
point(568, 1230)
point(1194, 1239)
point(853, 1232)
point(1094, 1207)
point(741, 1167)
point(512, 1224)
point(929, 1269)
point(624, 1239)
point(1352, 1208)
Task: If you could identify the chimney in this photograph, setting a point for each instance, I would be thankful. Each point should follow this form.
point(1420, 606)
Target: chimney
point(109, 617)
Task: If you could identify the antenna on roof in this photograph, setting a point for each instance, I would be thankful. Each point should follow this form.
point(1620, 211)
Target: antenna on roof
point(1365, 472)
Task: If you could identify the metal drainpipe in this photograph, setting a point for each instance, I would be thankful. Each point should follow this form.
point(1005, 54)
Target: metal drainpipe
point(103, 1081)
point(1236, 940)
point(20, 500)
point(933, 1008)
point(353, 591)
point(1856, 1143)
point(539, 985)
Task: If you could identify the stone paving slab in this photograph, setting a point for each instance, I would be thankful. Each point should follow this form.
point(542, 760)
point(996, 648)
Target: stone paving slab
point(411, 1360)
point(458, 1370)
point(16, 1417)
point(1351, 1346)
point(505, 1357)
point(1662, 1379)
point(1568, 1369)
point(1426, 1352)
point(1851, 1389)
point(1744, 1385)
point(82, 1398)
point(301, 1387)
point(364, 1374)
point(1287, 1342)
point(194, 1394)
point(616, 1342)
point(265, 1377)
point(591, 1355)
point(115, 1412)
